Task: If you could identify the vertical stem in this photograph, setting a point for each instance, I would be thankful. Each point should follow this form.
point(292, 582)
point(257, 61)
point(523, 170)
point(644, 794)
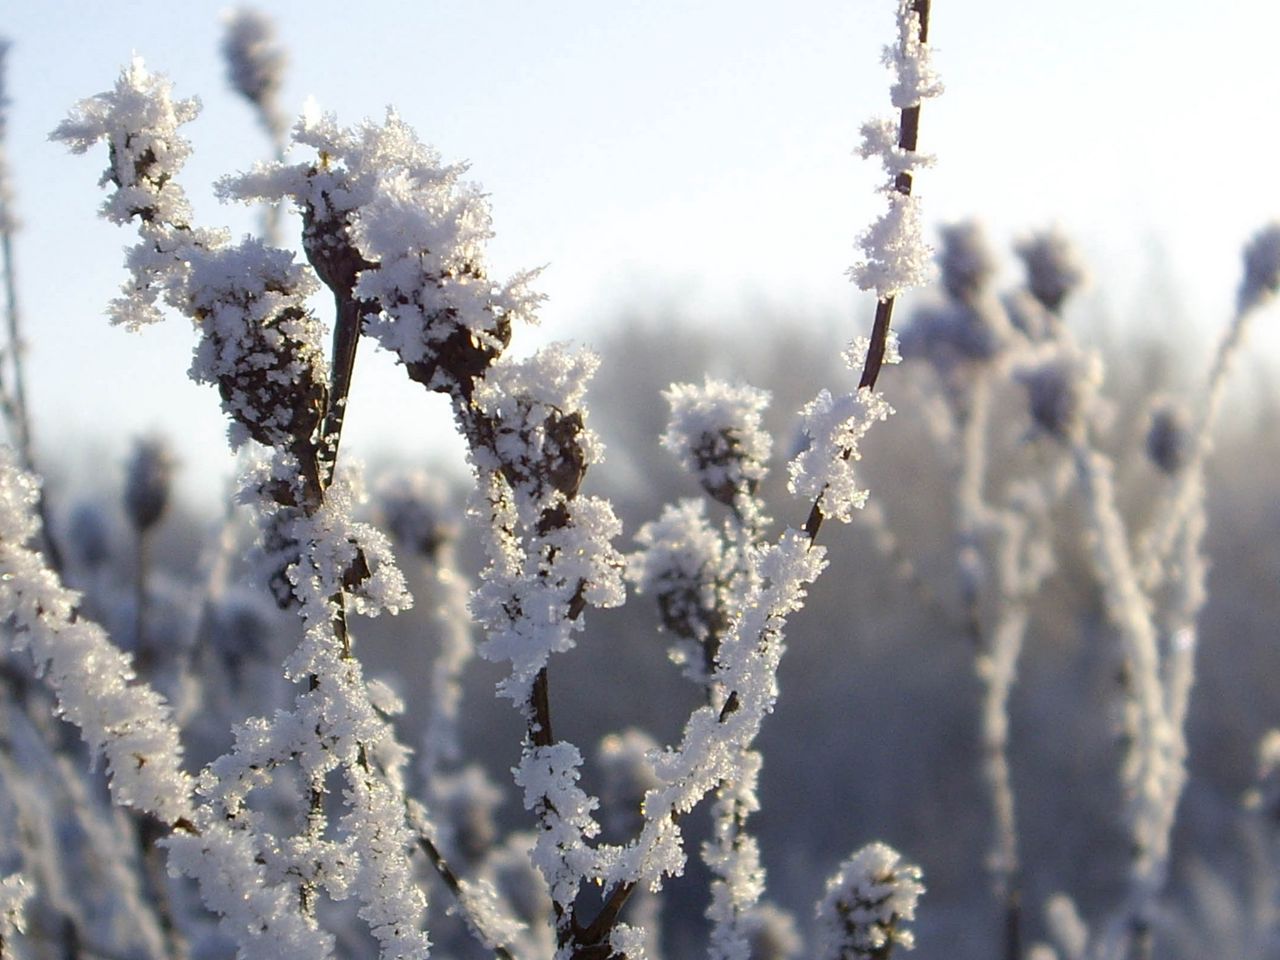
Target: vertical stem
point(19, 417)
point(149, 830)
point(908, 139)
point(143, 658)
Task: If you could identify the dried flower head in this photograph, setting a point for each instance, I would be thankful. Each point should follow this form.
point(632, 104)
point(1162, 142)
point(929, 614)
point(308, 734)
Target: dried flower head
point(1168, 436)
point(967, 261)
point(867, 906)
point(1054, 267)
point(255, 64)
point(771, 934)
point(683, 563)
point(1029, 317)
point(1261, 278)
point(715, 431)
point(1060, 386)
point(260, 344)
point(957, 332)
point(149, 477)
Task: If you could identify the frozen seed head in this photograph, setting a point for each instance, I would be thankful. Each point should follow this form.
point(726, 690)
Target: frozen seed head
point(417, 512)
point(260, 344)
point(1168, 436)
point(1060, 386)
point(771, 934)
point(139, 119)
point(957, 331)
point(1261, 268)
point(148, 482)
point(1054, 267)
point(966, 260)
point(867, 906)
point(681, 560)
point(255, 63)
point(716, 433)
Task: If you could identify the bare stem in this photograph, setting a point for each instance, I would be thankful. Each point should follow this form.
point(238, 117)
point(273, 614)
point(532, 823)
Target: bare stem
point(450, 879)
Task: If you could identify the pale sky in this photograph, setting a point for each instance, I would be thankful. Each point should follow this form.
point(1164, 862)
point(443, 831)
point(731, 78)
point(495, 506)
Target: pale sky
point(654, 154)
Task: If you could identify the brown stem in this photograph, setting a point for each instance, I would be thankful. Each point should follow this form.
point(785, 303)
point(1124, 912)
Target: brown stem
point(908, 139)
point(1013, 920)
point(346, 337)
point(149, 830)
point(450, 879)
point(540, 702)
point(143, 655)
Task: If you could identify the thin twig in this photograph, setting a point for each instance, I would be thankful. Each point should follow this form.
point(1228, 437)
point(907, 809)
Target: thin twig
point(908, 139)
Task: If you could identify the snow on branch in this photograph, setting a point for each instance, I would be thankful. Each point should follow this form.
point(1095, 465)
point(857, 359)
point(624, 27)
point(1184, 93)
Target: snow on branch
point(97, 688)
point(895, 256)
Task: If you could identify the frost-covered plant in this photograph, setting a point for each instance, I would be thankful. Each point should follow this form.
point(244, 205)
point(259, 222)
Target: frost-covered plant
point(1153, 587)
point(311, 804)
point(868, 905)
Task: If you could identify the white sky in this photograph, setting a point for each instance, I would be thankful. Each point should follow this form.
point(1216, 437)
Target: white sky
point(658, 153)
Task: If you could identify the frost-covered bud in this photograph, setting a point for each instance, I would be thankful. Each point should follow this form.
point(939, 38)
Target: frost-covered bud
point(716, 433)
point(1060, 386)
point(682, 562)
point(148, 480)
point(260, 344)
point(1261, 268)
point(533, 422)
point(415, 509)
point(956, 332)
point(255, 63)
point(1264, 796)
point(628, 776)
point(867, 904)
point(771, 934)
point(465, 803)
point(1054, 267)
point(389, 225)
point(1168, 436)
point(139, 119)
point(89, 534)
point(967, 260)
point(460, 355)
